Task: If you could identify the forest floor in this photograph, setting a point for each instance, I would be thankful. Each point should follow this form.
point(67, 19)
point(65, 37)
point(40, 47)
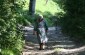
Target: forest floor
point(58, 44)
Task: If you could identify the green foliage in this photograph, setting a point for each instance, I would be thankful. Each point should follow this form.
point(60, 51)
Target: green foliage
point(60, 3)
point(11, 40)
point(48, 10)
point(73, 22)
point(51, 6)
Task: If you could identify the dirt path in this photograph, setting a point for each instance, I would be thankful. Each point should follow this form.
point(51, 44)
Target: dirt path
point(58, 44)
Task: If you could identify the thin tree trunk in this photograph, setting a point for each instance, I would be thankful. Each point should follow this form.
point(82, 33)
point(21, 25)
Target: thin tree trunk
point(46, 1)
point(32, 7)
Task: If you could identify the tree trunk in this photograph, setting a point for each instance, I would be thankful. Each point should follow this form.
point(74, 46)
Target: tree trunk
point(32, 7)
point(46, 1)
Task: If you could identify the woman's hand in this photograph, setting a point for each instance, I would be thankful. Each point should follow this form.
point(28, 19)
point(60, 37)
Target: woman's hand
point(34, 32)
point(46, 31)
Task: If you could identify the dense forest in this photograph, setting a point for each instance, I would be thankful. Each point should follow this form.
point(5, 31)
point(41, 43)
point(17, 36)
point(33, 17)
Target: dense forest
point(69, 14)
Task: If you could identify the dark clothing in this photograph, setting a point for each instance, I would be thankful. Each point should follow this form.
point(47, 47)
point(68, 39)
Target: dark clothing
point(41, 28)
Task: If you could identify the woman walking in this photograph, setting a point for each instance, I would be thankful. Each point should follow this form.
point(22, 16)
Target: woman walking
point(41, 29)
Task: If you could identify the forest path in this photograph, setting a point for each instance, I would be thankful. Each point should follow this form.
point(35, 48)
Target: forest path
point(58, 44)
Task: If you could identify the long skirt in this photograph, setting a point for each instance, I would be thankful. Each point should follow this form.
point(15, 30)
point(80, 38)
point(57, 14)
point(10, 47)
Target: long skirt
point(42, 36)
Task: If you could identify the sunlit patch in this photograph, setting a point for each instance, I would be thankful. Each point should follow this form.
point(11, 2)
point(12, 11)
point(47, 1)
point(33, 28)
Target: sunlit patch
point(0, 50)
point(63, 46)
point(69, 51)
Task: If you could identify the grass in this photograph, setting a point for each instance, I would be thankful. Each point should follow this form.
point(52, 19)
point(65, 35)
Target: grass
point(41, 6)
point(49, 7)
point(48, 10)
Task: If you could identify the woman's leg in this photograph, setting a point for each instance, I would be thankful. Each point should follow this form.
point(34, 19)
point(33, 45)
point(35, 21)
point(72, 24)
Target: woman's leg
point(42, 46)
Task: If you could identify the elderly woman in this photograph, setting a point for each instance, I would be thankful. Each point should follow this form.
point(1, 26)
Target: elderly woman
point(41, 31)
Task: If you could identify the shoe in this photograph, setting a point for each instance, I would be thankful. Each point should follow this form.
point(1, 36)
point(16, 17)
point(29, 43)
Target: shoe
point(41, 49)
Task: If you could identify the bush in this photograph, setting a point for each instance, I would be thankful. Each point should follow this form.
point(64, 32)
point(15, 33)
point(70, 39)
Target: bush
point(11, 40)
point(73, 22)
